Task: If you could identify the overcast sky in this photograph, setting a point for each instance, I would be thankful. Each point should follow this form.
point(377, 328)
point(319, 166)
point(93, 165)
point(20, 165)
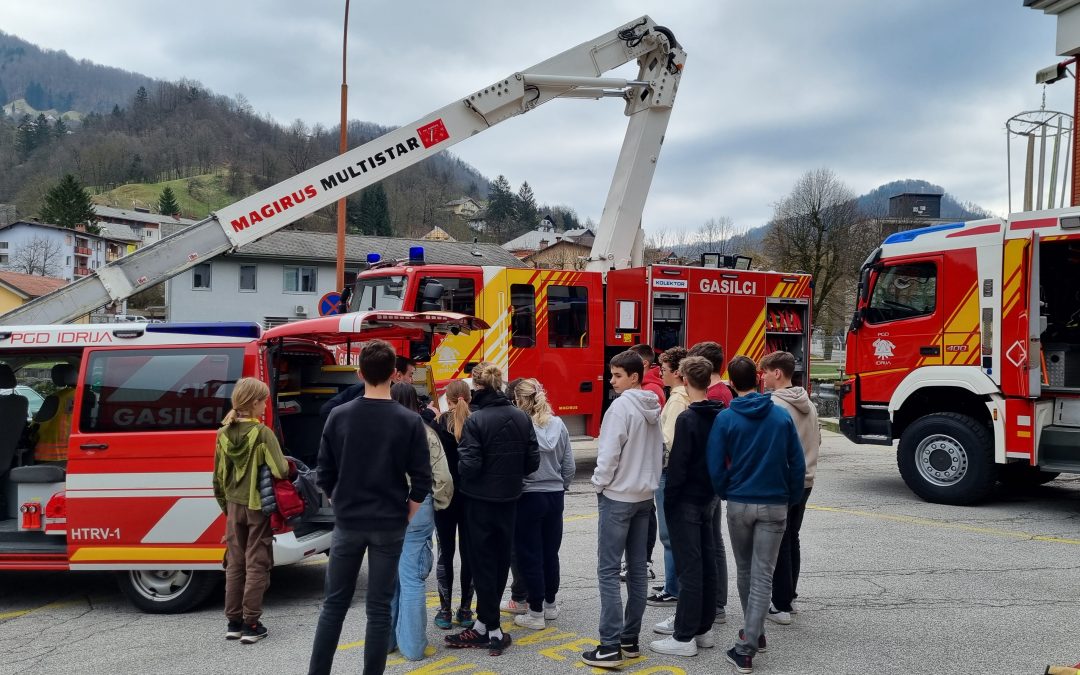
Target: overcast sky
point(875, 91)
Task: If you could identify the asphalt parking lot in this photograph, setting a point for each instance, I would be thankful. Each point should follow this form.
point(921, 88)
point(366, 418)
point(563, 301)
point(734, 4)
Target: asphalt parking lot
point(890, 584)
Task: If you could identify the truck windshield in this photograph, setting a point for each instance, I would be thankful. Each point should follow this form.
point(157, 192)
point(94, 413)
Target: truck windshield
point(378, 293)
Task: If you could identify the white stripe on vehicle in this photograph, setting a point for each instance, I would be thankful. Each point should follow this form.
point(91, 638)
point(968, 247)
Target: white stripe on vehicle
point(127, 481)
point(185, 522)
point(117, 494)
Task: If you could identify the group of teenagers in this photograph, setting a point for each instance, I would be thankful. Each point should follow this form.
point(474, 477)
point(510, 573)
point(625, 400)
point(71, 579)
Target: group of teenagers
point(488, 476)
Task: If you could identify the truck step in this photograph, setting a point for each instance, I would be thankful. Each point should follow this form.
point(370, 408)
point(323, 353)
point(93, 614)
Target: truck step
point(1059, 449)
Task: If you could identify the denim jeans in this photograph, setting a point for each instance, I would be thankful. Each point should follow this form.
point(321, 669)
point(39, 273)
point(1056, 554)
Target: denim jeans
point(692, 536)
point(347, 551)
point(623, 527)
point(756, 531)
point(408, 611)
point(671, 578)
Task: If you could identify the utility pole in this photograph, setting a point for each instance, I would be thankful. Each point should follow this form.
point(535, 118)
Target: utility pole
point(342, 147)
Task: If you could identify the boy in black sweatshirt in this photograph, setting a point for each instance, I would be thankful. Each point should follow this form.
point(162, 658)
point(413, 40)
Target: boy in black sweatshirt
point(369, 446)
point(689, 506)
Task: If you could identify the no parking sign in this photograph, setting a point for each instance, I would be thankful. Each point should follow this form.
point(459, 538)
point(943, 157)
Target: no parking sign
point(328, 304)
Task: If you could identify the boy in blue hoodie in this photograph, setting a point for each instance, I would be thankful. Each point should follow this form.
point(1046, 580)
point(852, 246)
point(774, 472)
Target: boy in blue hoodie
point(756, 463)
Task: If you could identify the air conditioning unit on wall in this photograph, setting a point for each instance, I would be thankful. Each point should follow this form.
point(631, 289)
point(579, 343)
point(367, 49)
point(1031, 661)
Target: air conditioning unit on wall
point(300, 310)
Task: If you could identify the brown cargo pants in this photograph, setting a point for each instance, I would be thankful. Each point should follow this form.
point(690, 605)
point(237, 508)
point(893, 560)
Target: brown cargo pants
point(249, 555)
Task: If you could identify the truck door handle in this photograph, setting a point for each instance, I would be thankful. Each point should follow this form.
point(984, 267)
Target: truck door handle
point(586, 386)
point(930, 351)
point(94, 446)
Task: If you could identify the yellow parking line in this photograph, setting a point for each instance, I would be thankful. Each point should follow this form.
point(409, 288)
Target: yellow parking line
point(51, 605)
point(975, 529)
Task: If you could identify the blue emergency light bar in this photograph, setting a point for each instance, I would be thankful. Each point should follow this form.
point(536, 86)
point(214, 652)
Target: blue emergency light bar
point(373, 258)
point(238, 329)
point(416, 255)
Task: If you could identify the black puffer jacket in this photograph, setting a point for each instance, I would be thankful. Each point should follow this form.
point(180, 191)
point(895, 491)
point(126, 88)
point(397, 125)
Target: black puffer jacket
point(497, 449)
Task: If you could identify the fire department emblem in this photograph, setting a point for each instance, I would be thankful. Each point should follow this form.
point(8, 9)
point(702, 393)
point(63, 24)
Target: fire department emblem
point(883, 349)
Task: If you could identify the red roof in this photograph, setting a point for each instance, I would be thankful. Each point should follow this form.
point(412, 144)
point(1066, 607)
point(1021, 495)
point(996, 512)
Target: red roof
point(32, 285)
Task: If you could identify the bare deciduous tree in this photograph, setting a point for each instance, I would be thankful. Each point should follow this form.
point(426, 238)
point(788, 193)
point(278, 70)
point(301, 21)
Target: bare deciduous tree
point(41, 256)
point(714, 236)
point(815, 229)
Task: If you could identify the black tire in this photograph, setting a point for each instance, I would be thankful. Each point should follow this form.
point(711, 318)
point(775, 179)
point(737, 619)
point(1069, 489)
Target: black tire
point(1021, 476)
point(167, 591)
point(947, 458)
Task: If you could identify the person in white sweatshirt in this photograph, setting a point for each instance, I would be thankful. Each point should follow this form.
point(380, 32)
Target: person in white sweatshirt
point(777, 369)
point(630, 458)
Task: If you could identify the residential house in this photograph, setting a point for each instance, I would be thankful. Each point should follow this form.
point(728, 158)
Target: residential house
point(148, 227)
point(464, 208)
point(546, 235)
point(564, 254)
point(283, 276)
point(51, 250)
point(17, 289)
point(438, 234)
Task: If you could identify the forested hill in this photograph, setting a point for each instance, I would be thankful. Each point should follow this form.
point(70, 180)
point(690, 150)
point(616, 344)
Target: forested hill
point(52, 80)
point(138, 130)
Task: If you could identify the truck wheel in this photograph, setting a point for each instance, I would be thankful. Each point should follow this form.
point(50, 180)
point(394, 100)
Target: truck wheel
point(1020, 476)
point(167, 591)
point(947, 458)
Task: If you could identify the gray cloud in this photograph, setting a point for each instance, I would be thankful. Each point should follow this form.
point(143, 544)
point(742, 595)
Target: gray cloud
point(875, 91)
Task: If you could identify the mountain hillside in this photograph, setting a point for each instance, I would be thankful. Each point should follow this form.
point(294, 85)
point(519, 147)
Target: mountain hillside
point(52, 80)
point(876, 202)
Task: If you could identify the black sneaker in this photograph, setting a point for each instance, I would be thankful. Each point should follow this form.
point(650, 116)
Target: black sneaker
point(253, 632)
point(762, 645)
point(603, 657)
point(630, 648)
point(662, 599)
point(743, 663)
point(496, 646)
point(468, 638)
point(235, 630)
point(465, 618)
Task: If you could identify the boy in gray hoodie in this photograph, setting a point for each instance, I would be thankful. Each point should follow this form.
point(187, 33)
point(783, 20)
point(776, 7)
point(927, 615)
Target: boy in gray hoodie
point(777, 369)
point(630, 457)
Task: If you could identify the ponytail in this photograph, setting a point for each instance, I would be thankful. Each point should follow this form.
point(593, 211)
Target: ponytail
point(530, 397)
point(457, 398)
point(246, 395)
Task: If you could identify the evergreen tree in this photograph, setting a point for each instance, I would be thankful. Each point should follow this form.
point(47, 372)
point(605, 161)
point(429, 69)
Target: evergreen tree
point(36, 97)
point(372, 214)
point(25, 138)
point(42, 131)
point(167, 204)
point(60, 129)
point(68, 204)
point(525, 207)
point(500, 211)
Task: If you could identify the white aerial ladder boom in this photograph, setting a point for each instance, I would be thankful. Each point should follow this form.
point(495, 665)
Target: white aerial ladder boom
point(575, 73)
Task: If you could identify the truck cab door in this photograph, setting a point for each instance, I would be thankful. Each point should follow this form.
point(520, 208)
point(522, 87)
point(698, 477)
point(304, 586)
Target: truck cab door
point(902, 325)
point(1036, 320)
point(1022, 323)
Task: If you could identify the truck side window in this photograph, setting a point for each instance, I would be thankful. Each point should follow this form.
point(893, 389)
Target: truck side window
point(523, 321)
point(459, 294)
point(159, 389)
point(903, 292)
point(568, 316)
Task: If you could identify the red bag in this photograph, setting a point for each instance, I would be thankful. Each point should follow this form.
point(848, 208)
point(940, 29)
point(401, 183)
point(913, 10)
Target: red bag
point(289, 502)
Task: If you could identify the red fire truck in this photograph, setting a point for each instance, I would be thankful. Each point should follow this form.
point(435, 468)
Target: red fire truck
point(965, 346)
point(562, 326)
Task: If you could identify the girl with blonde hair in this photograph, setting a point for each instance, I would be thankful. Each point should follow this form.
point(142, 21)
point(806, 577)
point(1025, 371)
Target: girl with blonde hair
point(497, 450)
point(449, 522)
point(244, 444)
point(539, 528)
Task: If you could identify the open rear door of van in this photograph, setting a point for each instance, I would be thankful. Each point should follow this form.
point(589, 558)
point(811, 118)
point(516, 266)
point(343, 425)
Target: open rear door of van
point(385, 325)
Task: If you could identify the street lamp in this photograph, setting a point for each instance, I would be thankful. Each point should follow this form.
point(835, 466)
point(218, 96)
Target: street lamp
point(342, 147)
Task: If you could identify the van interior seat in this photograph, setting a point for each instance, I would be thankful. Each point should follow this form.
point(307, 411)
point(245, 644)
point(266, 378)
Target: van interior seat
point(13, 411)
point(64, 375)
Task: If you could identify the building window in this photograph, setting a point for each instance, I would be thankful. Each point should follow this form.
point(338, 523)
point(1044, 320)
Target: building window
point(200, 277)
point(3, 258)
point(67, 262)
point(299, 280)
point(903, 292)
point(568, 316)
point(523, 320)
point(248, 277)
point(3, 245)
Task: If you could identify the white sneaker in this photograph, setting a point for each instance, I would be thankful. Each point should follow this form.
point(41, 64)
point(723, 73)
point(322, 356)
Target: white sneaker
point(705, 641)
point(513, 607)
point(551, 612)
point(721, 617)
point(776, 616)
point(533, 620)
point(794, 609)
point(670, 645)
point(665, 627)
